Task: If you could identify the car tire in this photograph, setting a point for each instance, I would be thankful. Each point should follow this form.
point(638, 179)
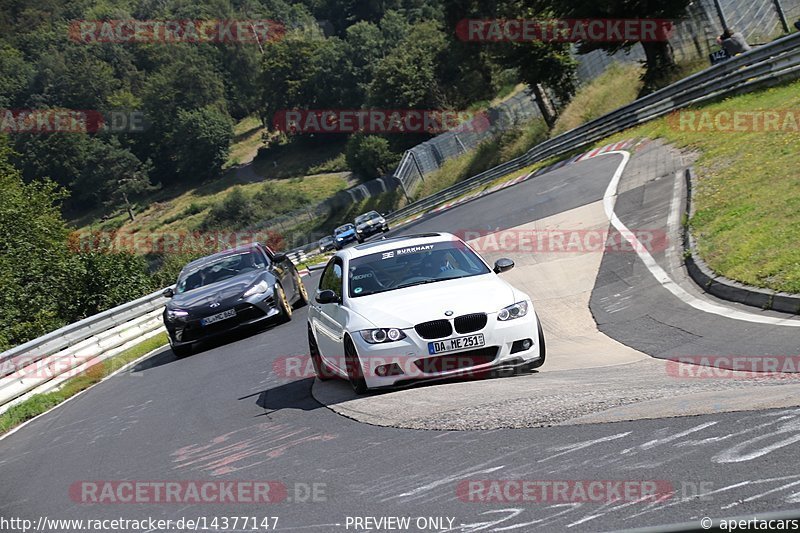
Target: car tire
point(360, 240)
point(302, 294)
point(542, 348)
point(354, 371)
point(283, 305)
point(323, 371)
point(181, 351)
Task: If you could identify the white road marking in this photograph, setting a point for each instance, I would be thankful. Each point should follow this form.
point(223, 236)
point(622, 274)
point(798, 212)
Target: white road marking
point(609, 202)
point(446, 480)
point(581, 445)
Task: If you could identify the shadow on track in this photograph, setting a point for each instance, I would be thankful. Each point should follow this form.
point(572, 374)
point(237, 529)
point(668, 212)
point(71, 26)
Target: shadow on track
point(291, 395)
point(168, 356)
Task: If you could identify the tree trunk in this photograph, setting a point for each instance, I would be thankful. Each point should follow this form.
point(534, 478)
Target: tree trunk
point(660, 65)
point(549, 112)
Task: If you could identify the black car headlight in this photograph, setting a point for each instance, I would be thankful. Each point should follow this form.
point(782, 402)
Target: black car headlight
point(511, 312)
point(176, 314)
point(378, 336)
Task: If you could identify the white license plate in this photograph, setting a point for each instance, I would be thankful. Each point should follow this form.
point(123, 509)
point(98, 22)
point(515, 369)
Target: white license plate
point(230, 313)
point(459, 343)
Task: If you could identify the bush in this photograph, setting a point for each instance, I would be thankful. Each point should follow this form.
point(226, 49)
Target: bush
point(106, 279)
point(239, 211)
point(236, 210)
point(369, 156)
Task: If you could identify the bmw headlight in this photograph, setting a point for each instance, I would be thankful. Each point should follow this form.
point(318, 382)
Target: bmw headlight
point(511, 312)
point(377, 336)
point(176, 314)
point(259, 288)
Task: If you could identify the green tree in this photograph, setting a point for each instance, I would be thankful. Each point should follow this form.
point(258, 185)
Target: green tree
point(369, 155)
point(15, 76)
point(407, 77)
point(36, 266)
point(201, 143)
point(659, 58)
point(111, 176)
point(106, 279)
point(288, 76)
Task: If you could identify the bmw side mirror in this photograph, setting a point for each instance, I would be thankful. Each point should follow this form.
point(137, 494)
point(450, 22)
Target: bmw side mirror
point(503, 265)
point(168, 293)
point(279, 257)
point(327, 296)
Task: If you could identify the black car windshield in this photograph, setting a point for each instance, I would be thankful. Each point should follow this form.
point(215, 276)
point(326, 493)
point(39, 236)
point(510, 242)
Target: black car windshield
point(366, 217)
point(222, 268)
point(407, 266)
point(342, 229)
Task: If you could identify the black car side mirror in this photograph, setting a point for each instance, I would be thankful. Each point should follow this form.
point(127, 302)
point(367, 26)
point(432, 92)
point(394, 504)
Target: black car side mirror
point(279, 257)
point(503, 265)
point(327, 296)
point(168, 293)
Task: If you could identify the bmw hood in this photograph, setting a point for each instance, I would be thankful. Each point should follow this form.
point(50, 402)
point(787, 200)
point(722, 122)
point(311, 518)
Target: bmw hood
point(403, 308)
point(347, 233)
point(222, 291)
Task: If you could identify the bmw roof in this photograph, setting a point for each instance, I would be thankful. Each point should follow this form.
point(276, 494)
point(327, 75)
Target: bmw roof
point(394, 242)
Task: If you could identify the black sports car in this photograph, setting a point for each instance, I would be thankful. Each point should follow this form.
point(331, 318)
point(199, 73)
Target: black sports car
point(369, 224)
point(229, 290)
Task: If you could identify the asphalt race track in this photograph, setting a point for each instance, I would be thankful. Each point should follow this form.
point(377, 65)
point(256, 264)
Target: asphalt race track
point(605, 406)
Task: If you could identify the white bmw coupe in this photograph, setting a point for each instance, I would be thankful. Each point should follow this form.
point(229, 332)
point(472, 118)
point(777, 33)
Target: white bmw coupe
point(420, 307)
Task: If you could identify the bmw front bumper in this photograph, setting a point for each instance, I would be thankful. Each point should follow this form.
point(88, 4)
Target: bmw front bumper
point(395, 363)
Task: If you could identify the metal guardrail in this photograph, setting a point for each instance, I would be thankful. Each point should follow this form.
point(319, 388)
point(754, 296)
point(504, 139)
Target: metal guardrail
point(40, 365)
point(762, 67)
point(97, 337)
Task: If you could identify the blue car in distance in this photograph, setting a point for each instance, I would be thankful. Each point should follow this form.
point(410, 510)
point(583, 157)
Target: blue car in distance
point(344, 235)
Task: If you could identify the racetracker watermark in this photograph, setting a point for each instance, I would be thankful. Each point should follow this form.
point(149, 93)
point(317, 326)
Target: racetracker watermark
point(734, 367)
point(71, 121)
point(171, 242)
point(296, 367)
point(255, 31)
point(740, 121)
point(196, 492)
point(516, 491)
point(565, 241)
point(565, 30)
point(27, 367)
point(307, 121)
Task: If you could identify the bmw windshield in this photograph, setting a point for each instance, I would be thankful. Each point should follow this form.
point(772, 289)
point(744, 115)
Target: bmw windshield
point(408, 266)
point(222, 268)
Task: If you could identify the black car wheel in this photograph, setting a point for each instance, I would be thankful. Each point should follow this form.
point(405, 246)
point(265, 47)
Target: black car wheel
point(323, 371)
point(360, 240)
point(542, 350)
point(354, 372)
point(283, 304)
point(302, 294)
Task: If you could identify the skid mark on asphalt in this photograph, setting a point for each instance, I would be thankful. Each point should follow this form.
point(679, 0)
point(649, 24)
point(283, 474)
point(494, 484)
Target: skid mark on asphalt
point(691, 497)
point(245, 448)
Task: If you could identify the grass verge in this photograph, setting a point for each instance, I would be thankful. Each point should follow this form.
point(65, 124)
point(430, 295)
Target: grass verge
point(40, 403)
point(747, 194)
point(619, 85)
